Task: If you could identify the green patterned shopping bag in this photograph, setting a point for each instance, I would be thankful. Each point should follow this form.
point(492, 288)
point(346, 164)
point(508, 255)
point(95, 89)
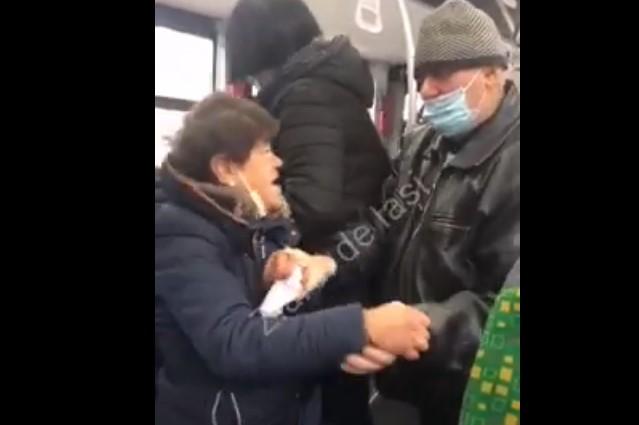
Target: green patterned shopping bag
point(492, 395)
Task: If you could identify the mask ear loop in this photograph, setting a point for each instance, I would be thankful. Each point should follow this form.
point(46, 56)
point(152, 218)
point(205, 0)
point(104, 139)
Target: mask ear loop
point(448, 96)
point(255, 197)
point(474, 111)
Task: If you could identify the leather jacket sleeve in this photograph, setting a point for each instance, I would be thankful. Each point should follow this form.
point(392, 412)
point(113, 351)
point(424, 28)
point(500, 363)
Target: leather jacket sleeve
point(456, 326)
point(359, 249)
point(441, 373)
point(361, 246)
point(457, 322)
point(513, 280)
point(496, 246)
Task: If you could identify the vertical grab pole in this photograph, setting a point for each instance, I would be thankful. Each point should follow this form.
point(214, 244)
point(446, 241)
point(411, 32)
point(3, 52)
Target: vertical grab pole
point(220, 59)
point(410, 64)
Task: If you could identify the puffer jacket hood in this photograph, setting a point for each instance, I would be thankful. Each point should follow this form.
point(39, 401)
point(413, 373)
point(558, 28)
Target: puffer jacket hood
point(233, 202)
point(335, 60)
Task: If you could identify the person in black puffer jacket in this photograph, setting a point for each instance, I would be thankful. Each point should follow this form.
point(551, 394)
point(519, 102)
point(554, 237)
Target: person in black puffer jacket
point(334, 160)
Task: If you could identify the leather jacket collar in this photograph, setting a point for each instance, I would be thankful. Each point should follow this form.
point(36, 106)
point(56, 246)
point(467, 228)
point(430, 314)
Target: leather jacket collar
point(483, 142)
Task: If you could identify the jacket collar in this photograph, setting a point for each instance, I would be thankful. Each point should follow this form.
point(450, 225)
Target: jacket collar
point(332, 59)
point(491, 135)
point(229, 206)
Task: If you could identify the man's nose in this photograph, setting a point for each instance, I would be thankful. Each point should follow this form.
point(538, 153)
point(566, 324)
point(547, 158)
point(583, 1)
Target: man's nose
point(428, 89)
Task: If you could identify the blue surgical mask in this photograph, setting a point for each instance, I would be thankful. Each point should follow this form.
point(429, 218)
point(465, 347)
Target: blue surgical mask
point(450, 114)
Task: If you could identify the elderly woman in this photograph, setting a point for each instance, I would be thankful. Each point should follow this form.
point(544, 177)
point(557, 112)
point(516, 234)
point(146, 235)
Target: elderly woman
point(218, 237)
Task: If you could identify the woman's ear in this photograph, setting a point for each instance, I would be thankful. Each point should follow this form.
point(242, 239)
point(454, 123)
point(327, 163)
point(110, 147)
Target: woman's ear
point(223, 170)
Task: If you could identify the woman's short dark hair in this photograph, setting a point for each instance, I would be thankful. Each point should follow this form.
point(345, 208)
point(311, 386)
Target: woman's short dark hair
point(219, 125)
point(263, 34)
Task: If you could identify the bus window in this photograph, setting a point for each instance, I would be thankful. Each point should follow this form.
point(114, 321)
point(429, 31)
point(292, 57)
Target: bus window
point(183, 76)
point(183, 65)
point(167, 122)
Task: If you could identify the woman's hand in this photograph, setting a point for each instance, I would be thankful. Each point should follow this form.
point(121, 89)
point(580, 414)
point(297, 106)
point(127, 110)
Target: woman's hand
point(370, 360)
point(279, 266)
point(316, 269)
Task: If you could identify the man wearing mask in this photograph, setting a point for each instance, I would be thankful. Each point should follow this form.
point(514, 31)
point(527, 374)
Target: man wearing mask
point(448, 232)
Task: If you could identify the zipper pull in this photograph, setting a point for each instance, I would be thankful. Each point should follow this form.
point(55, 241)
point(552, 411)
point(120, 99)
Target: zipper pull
point(263, 247)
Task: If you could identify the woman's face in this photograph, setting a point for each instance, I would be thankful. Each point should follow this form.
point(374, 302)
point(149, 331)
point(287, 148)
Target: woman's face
point(261, 171)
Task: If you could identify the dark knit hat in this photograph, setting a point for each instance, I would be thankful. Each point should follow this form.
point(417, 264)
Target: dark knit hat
point(263, 34)
point(456, 36)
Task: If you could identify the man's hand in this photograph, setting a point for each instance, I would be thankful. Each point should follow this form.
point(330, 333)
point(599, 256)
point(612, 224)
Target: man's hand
point(370, 360)
point(398, 329)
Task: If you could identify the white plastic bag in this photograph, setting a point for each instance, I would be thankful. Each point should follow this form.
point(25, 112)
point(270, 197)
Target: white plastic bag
point(282, 293)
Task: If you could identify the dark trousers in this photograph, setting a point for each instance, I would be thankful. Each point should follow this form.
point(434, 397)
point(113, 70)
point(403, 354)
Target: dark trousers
point(344, 396)
point(345, 400)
